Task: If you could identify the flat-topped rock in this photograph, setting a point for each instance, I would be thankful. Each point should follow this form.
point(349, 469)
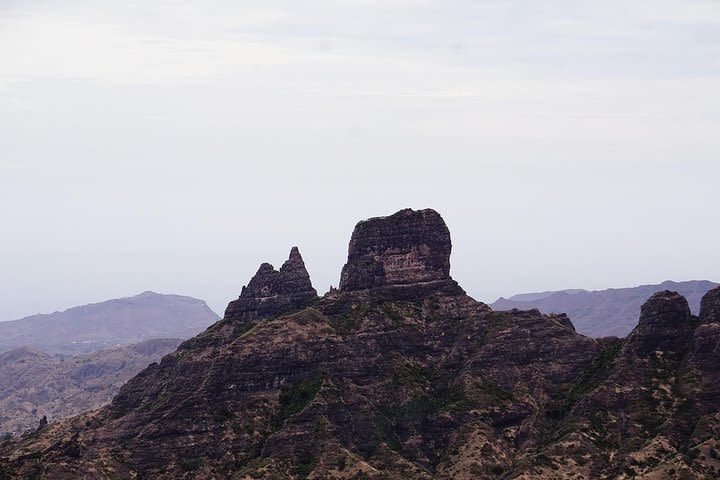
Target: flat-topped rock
point(272, 292)
point(406, 248)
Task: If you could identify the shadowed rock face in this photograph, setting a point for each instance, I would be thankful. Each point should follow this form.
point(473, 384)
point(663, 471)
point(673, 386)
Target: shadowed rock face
point(405, 248)
point(664, 324)
point(271, 292)
point(710, 307)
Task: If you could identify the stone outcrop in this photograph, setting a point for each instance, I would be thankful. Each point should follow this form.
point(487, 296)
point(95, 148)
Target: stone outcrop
point(710, 307)
point(702, 383)
point(664, 325)
point(399, 375)
point(272, 292)
point(409, 247)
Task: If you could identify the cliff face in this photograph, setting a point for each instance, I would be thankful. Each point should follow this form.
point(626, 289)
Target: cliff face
point(405, 248)
point(400, 374)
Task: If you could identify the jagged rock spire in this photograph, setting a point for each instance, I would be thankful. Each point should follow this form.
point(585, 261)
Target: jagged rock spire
point(272, 292)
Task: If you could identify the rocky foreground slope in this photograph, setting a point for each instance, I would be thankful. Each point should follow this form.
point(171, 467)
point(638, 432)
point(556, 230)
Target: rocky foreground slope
point(34, 384)
point(602, 313)
point(400, 374)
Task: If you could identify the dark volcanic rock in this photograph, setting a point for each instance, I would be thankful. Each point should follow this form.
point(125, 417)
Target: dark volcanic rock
point(702, 383)
point(271, 292)
point(405, 248)
point(710, 307)
point(400, 374)
point(664, 325)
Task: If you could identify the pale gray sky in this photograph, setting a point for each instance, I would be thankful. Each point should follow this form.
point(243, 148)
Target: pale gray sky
point(174, 146)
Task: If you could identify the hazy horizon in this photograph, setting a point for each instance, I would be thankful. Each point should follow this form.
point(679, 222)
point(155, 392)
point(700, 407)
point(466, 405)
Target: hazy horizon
point(174, 146)
point(220, 308)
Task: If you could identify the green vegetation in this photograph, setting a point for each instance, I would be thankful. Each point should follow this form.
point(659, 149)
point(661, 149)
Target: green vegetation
point(434, 304)
point(305, 465)
point(399, 311)
point(589, 380)
point(435, 396)
point(544, 461)
point(309, 315)
point(411, 374)
point(295, 398)
point(190, 464)
point(241, 327)
point(350, 320)
point(494, 390)
point(222, 413)
point(157, 403)
point(253, 327)
point(341, 464)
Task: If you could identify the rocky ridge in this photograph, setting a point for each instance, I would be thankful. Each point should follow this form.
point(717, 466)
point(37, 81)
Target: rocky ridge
point(120, 321)
point(400, 374)
point(602, 313)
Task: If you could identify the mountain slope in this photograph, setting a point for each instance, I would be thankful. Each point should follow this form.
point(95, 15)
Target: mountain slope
point(34, 384)
point(602, 313)
point(114, 322)
point(400, 374)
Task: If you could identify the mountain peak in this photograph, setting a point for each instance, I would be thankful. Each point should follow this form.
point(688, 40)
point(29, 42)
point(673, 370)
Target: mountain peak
point(271, 292)
point(405, 248)
point(664, 324)
point(710, 306)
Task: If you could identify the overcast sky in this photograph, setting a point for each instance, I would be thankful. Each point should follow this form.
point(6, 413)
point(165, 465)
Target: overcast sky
point(174, 146)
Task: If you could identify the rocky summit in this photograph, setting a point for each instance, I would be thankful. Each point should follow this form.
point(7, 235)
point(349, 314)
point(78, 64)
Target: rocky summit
point(403, 256)
point(399, 374)
point(271, 292)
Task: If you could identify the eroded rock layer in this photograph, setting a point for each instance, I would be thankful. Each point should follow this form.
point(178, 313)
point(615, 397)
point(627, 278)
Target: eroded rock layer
point(405, 248)
point(412, 379)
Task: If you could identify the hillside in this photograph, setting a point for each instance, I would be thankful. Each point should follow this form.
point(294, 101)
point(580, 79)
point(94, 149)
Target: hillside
point(106, 324)
point(34, 384)
point(603, 313)
point(400, 374)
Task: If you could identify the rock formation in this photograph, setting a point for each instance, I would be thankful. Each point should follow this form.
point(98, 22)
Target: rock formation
point(402, 256)
point(664, 325)
point(604, 313)
point(271, 292)
point(400, 374)
point(710, 307)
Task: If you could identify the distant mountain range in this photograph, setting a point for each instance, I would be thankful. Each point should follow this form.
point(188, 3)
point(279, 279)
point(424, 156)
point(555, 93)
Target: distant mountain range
point(34, 384)
point(106, 324)
point(602, 313)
